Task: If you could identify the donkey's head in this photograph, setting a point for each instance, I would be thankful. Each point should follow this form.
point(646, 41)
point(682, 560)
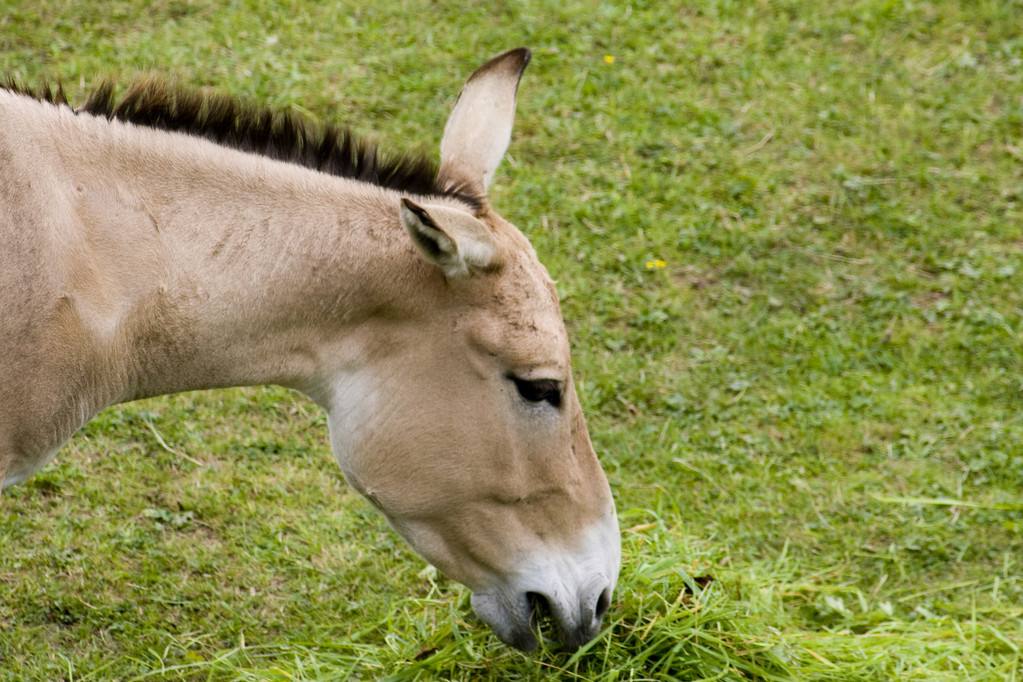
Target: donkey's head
point(464, 426)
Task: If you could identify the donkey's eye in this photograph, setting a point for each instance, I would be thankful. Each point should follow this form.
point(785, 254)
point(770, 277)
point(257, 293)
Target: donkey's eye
point(538, 390)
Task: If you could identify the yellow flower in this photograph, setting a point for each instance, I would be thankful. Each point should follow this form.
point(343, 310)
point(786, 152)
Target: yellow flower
point(656, 264)
point(609, 59)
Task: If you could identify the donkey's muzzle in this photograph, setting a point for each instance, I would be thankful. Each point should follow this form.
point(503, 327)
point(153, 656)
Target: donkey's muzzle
point(559, 592)
point(519, 619)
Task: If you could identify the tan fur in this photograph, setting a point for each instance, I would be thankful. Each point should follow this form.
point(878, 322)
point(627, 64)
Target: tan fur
point(136, 262)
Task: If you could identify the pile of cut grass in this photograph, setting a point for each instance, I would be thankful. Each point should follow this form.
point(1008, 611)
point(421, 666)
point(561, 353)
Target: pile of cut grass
point(671, 624)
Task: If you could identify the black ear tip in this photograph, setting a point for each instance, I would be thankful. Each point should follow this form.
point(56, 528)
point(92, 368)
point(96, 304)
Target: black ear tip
point(418, 211)
point(513, 61)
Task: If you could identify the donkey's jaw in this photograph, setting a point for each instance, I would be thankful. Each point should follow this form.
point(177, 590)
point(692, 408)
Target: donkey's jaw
point(575, 586)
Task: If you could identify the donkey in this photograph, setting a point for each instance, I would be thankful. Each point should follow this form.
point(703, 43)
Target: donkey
point(175, 239)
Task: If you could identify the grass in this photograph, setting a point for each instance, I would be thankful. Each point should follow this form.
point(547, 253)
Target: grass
point(789, 239)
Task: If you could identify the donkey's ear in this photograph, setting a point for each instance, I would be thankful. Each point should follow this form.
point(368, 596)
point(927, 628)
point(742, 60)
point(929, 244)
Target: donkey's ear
point(453, 240)
point(479, 129)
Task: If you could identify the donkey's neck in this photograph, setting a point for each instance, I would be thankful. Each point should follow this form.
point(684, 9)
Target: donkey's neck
point(223, 268)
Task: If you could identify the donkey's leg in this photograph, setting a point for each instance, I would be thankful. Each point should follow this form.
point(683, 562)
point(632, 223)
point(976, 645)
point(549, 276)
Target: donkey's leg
point(28, 449)
point(7, 459)
point(15, 467)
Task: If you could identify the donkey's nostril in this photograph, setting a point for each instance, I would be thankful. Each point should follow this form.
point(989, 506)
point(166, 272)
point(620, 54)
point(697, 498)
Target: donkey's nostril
point(539, 609)
point(603, 601)
point(574, 623)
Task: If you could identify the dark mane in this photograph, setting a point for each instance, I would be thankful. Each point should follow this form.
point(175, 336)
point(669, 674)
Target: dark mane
point(281, 135)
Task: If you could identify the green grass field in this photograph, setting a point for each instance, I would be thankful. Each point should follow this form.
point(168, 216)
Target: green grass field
point(789, 241)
